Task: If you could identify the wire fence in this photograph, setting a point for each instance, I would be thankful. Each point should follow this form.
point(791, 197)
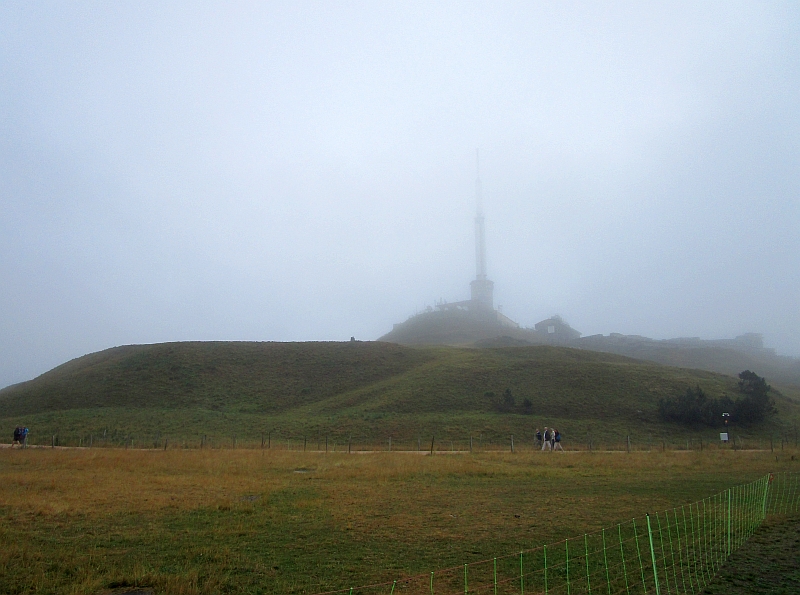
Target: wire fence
point(670, 552)
point(419, 443)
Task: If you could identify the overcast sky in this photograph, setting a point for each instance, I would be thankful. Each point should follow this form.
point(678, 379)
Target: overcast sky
point(306, 171)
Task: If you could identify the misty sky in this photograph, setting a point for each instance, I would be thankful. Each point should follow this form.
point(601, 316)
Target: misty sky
point(305, 170)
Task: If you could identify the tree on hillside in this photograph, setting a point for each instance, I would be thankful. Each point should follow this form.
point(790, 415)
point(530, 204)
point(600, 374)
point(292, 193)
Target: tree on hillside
point(695, 407)
point(757, 403)
point(507, 403)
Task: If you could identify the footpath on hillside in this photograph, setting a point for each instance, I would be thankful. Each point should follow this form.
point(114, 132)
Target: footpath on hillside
point(768, 563)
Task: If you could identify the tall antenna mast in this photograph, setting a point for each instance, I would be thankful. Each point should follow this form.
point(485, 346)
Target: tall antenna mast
point(480, 241)
point(481, 288)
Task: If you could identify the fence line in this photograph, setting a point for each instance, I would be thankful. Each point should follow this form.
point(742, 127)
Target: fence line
point(671, 552)
point(358, 442)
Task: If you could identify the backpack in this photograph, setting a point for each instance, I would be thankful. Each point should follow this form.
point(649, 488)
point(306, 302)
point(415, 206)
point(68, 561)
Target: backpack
point(558, 436)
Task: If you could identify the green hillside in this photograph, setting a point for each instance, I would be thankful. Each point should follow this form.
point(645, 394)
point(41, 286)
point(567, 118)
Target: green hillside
point(368, 390)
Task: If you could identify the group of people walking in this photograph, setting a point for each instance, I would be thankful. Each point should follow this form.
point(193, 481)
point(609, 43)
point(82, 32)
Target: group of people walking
point(551, 439)
point(20, 436)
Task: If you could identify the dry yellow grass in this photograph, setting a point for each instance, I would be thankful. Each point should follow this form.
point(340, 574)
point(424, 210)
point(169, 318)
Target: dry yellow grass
point(277, 521)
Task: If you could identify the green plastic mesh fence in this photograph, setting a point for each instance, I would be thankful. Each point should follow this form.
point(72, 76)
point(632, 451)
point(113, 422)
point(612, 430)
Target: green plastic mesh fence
point(670, 552)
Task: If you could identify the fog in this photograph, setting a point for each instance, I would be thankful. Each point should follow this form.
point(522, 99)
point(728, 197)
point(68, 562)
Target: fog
point(306, 171)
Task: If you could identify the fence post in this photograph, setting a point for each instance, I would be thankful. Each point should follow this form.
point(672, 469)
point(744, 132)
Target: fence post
point(639, 554)
point(432, 439)
point(470, 443)
point(495, 576)
point(680, 548)
point(629, 442)
point(605, 563)
point(686, 543)
point(663, 551)
point(622, 555)
point(697, 575)
point(390, 444)
point(521, 576)
point(349, 442)
point(512, 442)
point(545, 570)
point(326, 443)
point(652, 555)
point(708, 563)
point(465, 579)
point(431, 583)
point(586, 552)
point(729, 524)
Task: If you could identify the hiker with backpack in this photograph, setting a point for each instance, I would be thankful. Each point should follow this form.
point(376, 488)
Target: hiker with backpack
point(538, 438)
point(557, 440)
point(546, 444)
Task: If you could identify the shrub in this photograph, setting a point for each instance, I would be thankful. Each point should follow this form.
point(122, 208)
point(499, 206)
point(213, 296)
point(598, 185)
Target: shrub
point(695, 407)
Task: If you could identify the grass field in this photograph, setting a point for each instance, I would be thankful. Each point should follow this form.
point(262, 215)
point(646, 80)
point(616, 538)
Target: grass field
point(768, 565)
point(225, 521)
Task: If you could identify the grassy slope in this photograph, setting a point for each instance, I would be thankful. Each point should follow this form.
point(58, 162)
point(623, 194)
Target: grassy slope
point(779, 370)
point(369, 390)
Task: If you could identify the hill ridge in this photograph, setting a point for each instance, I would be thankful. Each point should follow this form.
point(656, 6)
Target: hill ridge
point(190, 388)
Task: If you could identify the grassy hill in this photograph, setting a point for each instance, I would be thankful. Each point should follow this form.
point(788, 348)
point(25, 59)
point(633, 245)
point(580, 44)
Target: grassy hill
point(778, 369)
point(463, 328)
point(369, 391)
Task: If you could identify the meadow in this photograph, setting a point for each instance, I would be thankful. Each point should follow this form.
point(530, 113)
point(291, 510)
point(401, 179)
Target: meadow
point(83, 521)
